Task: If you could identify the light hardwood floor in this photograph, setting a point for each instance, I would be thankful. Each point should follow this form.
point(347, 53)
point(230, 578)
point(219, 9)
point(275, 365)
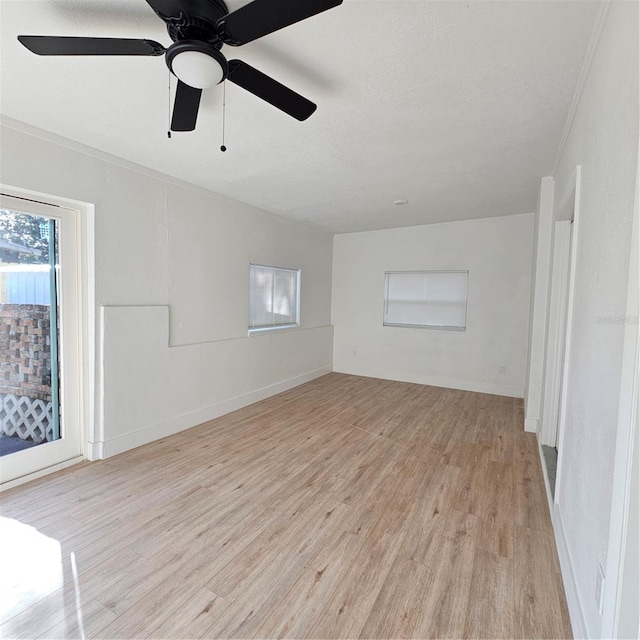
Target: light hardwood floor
point(348, 507)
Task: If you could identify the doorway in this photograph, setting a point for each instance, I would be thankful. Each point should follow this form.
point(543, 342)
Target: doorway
point(560, 278)
point(559, 331)
point(40, 338)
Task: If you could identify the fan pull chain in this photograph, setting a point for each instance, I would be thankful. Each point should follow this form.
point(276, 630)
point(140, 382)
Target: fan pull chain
point(224, 106)
point(169, 109)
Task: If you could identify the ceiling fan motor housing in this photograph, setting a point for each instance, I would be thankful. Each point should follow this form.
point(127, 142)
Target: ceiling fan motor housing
point(198, 23)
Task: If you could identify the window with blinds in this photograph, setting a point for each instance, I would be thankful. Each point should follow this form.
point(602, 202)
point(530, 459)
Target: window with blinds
point(274, 297)
point(426, 299)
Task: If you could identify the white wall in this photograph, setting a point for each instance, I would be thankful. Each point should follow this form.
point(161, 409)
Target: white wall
point(603, 138)
point(629, 612)
point(497, 253)
point(171, 290)
point(625, 508)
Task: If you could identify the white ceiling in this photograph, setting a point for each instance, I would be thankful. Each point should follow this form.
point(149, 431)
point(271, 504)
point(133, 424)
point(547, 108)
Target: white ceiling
point(457, 107)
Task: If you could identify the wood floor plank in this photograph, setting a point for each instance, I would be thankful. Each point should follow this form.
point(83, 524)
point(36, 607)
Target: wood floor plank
point(164, 601)
point(346, 612)
point(395, 610)
point(313, 589)
point(82, 623)
point(490, 609)
point(495, 534)
point(531, 507)
point(431, 521)
point(268, 584)
point(232, 579)
point(35, 618)
point(193, 619)
point(442, 611)
point(346, 507)
point(538, 611)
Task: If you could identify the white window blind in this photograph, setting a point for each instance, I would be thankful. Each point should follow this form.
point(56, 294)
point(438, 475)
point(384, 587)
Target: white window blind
point(273, 297)
point(431, 299)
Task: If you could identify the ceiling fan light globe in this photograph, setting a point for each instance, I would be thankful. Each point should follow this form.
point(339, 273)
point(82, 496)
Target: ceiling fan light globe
point(197, 69)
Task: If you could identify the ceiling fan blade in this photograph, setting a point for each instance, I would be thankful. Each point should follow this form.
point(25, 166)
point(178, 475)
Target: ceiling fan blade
point(185, 108)
point(261, 17)
point(73, 46)
point(270, 90)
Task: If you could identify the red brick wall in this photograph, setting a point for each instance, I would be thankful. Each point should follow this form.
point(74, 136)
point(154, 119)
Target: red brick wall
point(25, 353)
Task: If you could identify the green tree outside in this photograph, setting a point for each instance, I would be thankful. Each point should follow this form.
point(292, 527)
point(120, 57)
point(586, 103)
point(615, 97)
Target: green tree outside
point(28, 231)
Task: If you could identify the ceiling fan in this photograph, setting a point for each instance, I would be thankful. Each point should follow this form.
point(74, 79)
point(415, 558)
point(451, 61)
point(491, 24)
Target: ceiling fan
point(199, 29)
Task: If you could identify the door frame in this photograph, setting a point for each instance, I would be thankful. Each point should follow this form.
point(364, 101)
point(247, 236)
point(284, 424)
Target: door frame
point(77, 334)
point(568, 209)
point(557, 331)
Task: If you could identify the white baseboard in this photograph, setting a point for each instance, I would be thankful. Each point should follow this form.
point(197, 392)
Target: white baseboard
point(576, 612)
point(95, 451)
point(434, 381)
point(531, 425)
point(176, 424)
point(547, 482)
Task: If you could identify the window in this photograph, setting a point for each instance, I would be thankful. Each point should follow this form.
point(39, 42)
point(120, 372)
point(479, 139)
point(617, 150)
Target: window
point(427, 299)
point(274, 297)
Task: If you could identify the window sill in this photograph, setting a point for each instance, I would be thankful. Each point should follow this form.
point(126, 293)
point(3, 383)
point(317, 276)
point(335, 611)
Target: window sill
point(281, 328)
point(424, 326)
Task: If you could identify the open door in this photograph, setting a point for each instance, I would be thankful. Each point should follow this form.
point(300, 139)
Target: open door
point(40, 338)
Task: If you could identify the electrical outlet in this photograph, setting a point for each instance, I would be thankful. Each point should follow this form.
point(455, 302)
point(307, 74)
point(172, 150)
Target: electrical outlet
point(600, 588)
point(502, 369)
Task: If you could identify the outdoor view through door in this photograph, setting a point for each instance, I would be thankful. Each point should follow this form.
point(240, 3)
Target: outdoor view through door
point(29, 364)
point(42, 315)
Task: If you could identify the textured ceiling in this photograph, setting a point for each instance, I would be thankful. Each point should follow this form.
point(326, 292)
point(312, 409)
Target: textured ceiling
point(457, 107)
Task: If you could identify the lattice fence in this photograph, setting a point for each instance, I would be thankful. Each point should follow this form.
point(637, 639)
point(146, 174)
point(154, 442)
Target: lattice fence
point(25, 418)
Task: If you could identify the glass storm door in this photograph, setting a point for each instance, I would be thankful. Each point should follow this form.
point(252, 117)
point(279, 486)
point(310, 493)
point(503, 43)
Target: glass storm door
point(39, 338)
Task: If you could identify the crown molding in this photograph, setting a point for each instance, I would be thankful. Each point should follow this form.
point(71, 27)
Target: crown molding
point(582, 78)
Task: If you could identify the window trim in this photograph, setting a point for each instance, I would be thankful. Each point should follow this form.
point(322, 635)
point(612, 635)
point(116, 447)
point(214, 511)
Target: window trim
point(280, 327)
point(460, 329)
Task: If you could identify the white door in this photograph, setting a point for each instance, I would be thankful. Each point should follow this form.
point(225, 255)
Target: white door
point(40, 337)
